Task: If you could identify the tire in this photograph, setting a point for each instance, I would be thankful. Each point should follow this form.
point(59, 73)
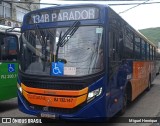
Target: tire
point(158, 72)
point(149, 85)
point(123, 110)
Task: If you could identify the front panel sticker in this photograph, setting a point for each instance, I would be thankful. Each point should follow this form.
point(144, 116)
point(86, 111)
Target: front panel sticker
point(99, 30)
point(57, 69)
point(69, 70)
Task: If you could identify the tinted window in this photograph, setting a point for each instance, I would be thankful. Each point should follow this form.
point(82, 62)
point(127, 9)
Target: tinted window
point(128, 43)
point(148, 54)
point(137, 47)
point(151, 53)
point(143, 46)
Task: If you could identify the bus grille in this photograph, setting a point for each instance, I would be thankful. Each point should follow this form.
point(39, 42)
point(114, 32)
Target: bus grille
point(53, 85)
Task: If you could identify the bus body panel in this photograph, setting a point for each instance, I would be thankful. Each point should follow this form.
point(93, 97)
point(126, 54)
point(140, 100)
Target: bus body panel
point(117, 86)
point(8, 80)
point(143, 72)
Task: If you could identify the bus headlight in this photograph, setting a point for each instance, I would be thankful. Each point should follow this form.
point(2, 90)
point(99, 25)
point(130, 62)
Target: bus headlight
point(93, 94)
point(19, 87)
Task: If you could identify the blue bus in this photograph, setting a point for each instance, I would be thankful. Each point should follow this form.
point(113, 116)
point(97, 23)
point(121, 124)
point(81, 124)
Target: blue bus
point(81, 62)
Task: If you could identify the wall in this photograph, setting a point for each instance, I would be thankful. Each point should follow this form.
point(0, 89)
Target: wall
point(14, 20)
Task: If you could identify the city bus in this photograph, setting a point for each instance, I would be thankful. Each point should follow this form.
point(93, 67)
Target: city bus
point(8, 63)
point(81, 62)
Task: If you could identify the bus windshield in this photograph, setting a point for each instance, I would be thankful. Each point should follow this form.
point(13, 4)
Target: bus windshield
point(8, 48)
point(82, 53)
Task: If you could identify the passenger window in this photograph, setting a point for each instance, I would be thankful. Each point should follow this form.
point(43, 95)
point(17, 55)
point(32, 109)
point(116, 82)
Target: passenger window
point(137, 53)
point(128, 44)
point(115, 49)
point(115, 45)
point(143, 46)
point(151, 52)
point(148, 51)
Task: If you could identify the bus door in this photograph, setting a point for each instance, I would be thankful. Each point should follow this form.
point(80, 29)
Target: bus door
point(115, 51)
point(8, 66)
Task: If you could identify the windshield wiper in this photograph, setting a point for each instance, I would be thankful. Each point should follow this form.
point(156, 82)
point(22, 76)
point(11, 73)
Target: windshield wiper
point(68, 34)
point(43, 42)
point(64, 39)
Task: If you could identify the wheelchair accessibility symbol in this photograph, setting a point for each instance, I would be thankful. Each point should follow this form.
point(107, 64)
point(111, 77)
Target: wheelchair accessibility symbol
point(57, 68)
point(11, 68)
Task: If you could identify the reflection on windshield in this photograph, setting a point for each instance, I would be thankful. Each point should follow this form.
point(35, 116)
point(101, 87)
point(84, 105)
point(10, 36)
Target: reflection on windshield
point(81, 55)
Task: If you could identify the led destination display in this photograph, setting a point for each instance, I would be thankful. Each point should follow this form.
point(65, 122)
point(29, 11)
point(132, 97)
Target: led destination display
point(64, 15)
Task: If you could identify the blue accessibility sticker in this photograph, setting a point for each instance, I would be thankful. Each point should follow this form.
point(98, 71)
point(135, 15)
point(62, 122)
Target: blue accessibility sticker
point(57, 69)
point(11, 68)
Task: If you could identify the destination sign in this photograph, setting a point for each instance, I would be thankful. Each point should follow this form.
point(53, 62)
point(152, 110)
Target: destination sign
point(64, 15)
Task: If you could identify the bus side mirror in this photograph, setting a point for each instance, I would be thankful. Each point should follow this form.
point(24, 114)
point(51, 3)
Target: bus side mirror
point(9, 48)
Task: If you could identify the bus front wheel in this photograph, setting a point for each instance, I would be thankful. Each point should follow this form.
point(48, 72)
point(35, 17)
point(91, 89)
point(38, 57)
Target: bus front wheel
point(124, 104)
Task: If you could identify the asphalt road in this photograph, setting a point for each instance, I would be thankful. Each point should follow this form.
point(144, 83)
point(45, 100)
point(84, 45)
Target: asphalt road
point(146, 105)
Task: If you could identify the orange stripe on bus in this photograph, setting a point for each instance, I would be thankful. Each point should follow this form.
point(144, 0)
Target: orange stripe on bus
point(55, 92)
point(141, 71)
point(53, 101)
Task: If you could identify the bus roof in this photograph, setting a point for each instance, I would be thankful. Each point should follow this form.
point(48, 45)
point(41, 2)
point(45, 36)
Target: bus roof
point(146, 39)
point(135, 31)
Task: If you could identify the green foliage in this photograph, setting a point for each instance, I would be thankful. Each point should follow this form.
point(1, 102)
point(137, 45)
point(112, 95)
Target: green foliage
point(153, 34)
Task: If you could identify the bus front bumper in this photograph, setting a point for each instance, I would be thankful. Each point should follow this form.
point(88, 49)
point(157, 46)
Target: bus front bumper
point(92, 111)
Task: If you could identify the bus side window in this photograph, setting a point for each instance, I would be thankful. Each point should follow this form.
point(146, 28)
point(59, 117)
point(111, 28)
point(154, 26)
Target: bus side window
point(114, 51)
point(151, 54)
point(148, 50)
point(115, 46)
point(129, 38)
point(120, 46)
point(143, 47)
point(137, 43)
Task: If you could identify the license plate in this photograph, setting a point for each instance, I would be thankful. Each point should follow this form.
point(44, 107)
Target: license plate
point(46, 115)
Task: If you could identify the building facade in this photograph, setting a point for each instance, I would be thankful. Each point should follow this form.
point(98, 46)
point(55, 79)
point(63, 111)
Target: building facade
point(12, 11)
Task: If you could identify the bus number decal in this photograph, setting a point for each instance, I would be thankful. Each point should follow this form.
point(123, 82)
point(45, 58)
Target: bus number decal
point(63, 99)
point(8, 76)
